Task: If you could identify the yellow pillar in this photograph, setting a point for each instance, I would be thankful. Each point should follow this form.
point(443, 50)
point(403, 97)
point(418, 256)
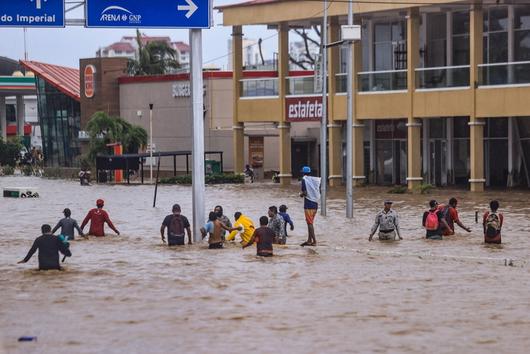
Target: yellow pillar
point(476, 125)
point(358, 125)
point(237, 127)
point(284, 127)
point(414, 177)
point(334, 127)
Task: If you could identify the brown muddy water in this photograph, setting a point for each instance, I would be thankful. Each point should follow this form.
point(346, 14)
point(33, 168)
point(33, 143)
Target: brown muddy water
point(131, 294)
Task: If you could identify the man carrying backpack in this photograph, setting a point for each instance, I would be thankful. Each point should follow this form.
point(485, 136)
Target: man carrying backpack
point(492, 222)
point(451, 217)
point(433, 221)
point(176, 225)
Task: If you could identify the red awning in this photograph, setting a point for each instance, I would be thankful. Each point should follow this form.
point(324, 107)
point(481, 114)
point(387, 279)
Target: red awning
point(12, 129)
point(64, 79)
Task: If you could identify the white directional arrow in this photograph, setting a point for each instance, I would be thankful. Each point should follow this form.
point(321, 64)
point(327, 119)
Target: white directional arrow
point(191, 8)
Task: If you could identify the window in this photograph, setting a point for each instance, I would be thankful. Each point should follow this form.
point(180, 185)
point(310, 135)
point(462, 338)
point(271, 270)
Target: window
point(390, 49)
point(460, 25)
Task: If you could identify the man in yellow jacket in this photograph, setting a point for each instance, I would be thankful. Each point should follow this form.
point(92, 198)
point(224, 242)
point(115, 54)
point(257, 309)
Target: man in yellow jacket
point(245, 226)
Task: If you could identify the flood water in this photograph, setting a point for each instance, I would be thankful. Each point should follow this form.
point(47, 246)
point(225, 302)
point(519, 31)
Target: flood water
point(131, 294)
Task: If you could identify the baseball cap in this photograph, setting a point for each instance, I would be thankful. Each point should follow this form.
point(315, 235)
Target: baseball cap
point(100, 202)
point(306, 169)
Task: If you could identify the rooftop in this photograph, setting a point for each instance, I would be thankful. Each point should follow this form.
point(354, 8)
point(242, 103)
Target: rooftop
point(64, 79)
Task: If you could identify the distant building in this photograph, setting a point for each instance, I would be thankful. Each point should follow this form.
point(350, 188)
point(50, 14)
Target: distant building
point(300, 53)
point(128, 47)
point(251, 55)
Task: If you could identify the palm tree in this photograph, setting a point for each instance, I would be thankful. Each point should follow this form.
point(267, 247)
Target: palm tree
point(103, 130)
point(154, 58)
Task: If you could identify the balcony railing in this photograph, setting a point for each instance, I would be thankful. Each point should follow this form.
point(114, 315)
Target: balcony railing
point(514, 73)
point(261, 87)
point(301, 85)
point(442, 77)
point(388, 80)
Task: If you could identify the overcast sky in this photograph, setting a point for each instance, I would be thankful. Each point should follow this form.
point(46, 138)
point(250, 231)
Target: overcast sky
point(65, 46)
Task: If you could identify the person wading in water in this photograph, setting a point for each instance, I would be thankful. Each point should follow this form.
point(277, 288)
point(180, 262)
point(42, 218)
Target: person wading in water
point(98, 217)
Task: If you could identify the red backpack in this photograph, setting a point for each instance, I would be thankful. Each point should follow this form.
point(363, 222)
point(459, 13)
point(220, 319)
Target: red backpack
point(431, 222)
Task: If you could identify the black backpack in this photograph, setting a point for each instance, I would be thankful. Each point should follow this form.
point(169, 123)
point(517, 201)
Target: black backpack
point(176, 230)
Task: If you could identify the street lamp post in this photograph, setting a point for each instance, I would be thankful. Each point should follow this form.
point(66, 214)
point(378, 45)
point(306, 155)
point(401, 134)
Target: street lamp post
point(324, 121)
point(151, 142)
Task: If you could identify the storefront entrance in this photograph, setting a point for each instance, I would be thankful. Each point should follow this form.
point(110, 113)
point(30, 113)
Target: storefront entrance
point(391, 151)
point(302, 153)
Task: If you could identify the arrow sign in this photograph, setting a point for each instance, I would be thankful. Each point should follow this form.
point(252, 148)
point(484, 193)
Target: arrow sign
point(146, 14)
point(191, 7)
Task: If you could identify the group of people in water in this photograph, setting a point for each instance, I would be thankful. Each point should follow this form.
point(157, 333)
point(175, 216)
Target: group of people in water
point(438, 221)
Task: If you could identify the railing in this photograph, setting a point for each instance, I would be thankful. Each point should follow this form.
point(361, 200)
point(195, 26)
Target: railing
point(514, 73)
point(341, 83)
point(387, 80)
point(261, 87)
point(301, 85)
point(442, 77)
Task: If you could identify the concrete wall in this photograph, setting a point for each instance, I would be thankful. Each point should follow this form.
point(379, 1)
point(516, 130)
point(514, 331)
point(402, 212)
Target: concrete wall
point(172, 117)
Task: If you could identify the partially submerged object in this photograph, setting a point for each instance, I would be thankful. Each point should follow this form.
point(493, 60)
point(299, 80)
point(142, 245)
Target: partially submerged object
point(21, 192)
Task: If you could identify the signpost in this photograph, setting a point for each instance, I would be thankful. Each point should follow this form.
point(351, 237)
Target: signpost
point(32, 13)
point(151, 14)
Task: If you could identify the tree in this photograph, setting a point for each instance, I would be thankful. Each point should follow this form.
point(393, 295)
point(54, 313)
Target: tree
point(153, 58)
point(103, 130)
point(9, 152)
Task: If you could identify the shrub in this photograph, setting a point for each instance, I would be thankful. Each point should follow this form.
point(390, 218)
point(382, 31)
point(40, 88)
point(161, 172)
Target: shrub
point(425, 188)
point(8, 170)
point(220, 178)
point(398, 190)
point(27, 170)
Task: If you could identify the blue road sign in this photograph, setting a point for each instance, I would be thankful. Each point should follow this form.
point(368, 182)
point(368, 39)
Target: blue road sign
point(152, 14)
point(31, 13)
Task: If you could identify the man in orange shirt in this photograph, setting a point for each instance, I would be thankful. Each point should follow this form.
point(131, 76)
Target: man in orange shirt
point(451, 217)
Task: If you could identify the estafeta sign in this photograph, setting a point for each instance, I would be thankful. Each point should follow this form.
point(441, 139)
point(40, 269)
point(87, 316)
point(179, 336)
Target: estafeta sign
point(303, 109)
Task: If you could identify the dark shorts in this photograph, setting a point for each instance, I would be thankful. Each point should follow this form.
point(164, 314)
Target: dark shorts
point(214, 246)
point(175, 240)
point(264, 254)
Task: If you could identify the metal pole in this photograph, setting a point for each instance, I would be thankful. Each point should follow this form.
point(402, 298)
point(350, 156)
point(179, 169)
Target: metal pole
point(198, 132)
point(323, 123)
point(349, 122)
point(151, 143)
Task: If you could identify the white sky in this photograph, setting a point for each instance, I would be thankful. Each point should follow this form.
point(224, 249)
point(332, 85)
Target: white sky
point(65, 46)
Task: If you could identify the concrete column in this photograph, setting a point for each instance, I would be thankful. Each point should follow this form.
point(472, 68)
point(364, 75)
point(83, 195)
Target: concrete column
point(358, 125)
point(334, 127)
point(450, 151)
point(238, 128)
point(3, 118)
point(510, 153)
point(373, 162)
point(284, 127)
point(414, 177)
point(20, 115)
point(476, 125)
point(425, 153)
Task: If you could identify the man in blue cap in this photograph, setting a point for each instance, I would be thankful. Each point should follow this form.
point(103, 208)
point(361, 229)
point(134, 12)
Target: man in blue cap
point(311, 194)
point(387, 221)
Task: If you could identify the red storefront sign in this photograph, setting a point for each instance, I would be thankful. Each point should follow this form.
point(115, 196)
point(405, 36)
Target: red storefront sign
point(90, 71)
point(303, 109)
point(11, 129)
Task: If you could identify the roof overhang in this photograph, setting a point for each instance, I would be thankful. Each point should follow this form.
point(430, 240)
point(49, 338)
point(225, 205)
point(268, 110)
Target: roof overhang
point(268, 12)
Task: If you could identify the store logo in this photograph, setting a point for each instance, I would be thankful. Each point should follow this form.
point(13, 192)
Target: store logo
point(119, 14)
point(303, 109)
point(90, 80)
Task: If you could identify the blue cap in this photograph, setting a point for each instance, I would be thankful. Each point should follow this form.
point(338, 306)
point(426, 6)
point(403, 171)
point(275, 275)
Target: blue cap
point(306, 169)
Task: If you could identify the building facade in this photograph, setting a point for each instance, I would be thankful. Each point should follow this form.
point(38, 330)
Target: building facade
point(439, 91)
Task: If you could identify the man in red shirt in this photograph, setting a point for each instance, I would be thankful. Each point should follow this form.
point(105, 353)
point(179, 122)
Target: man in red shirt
point(451, 217)
point(98, 217)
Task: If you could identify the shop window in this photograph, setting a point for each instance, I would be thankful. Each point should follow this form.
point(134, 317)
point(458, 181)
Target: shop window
point(461, 127)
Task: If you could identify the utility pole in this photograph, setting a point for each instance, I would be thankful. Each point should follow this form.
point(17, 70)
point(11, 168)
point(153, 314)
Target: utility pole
point(151, 143)
point(198, 132)
point(349, 121)
point(324, 121)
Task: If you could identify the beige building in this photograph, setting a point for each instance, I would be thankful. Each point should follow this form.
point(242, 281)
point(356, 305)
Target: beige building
point(440, 90)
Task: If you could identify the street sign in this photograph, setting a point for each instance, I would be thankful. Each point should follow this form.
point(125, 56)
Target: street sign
point(151, 14)
point(32, 13)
